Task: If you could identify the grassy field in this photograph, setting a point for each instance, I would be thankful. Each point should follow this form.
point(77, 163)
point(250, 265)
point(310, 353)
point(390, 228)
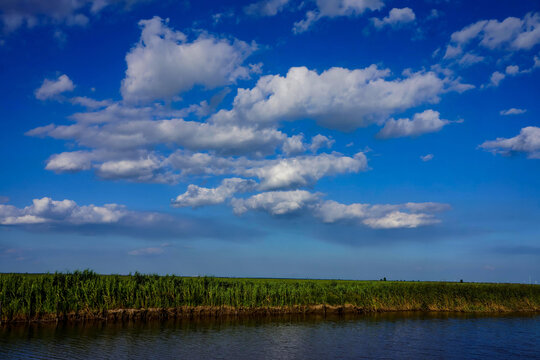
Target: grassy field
point(40, 296)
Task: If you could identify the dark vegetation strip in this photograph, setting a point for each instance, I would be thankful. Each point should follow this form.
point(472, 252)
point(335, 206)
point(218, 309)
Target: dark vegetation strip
point(85, 294)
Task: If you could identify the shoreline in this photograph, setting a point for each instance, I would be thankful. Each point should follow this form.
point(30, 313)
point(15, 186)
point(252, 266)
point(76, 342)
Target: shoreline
point(227, 312)
point(85, 295)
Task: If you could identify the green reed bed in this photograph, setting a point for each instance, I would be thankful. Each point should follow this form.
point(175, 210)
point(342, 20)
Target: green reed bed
point(32, 296)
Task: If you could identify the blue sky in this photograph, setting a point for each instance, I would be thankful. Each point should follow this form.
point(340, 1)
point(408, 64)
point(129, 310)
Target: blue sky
point(281, 138)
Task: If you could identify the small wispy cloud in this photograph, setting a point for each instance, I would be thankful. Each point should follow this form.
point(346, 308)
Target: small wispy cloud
point(149, 250)
point(513, 111)
point(427, 157)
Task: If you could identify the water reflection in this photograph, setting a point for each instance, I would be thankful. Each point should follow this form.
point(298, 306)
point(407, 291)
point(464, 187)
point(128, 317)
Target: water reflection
point(386, 335)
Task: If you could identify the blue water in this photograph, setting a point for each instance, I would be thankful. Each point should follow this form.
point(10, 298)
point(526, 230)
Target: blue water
point(383, 336)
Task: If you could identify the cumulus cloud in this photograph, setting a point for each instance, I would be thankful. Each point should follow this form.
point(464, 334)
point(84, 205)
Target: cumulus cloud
point(137, 166)
point(48, 215)
point(273, 174)
point(408, 215)
point(305, 170)
point(275, 202)
point(337, 98)
point(46, 210)
point(51, 88)
point(70, 161)
point(320, 141)
point(290, 202)
point(396, 18)
point(422, 123)
point(496, 78)
point(335, 8)
point(197, 196)
point(527, 141)
point(398, 219)
point(513, 111)
point(194, 135)
point(280, 203)
point(294, 145)
point(265, 7)
point(511, 34)
point(164, 63)
point(145, 169)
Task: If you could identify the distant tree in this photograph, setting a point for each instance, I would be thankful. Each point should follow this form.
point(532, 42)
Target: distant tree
point(461, 280)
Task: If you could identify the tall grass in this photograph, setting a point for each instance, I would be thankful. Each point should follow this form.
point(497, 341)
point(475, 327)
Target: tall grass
point(33, 296)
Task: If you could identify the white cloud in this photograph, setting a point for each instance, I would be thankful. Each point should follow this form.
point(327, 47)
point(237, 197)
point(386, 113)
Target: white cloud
point(513, 111)
point(337, 98)
point(469, 59)
point(265, 7)
point(294, 145)
point(46, 210)
point(422, 123)
point(197, 196)
point(163, 64)
point(452, 51)
point(496, 78)
point(70, 161)
point(511, 34)
point(398, 219)
point(272, 173)
point(199, 163)
point(305, 170)
point(48, 215)
point(512, 70)
point(52, 88)
point(144, 169)
point(528, 141)
point(319, 141)
point(409, 215)
point(396, 18)
point(90, 103)
point(331, 211)
point(427, 157)
point(194, 135)
point(335, 8)
point(275, 202)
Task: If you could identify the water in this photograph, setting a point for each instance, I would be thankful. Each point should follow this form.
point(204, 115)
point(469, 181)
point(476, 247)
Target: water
point(382, 336)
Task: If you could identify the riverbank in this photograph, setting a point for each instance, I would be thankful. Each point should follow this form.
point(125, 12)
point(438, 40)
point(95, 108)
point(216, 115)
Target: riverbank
point(86, 295)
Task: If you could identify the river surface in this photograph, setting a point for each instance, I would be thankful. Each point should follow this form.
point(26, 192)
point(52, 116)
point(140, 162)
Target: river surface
point(380, 336)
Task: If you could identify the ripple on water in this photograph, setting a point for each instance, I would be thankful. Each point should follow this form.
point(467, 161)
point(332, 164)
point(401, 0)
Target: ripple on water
point(379, 336)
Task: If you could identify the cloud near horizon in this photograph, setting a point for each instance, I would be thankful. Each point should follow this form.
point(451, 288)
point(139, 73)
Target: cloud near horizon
point(294, 202)
point(60, 216)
